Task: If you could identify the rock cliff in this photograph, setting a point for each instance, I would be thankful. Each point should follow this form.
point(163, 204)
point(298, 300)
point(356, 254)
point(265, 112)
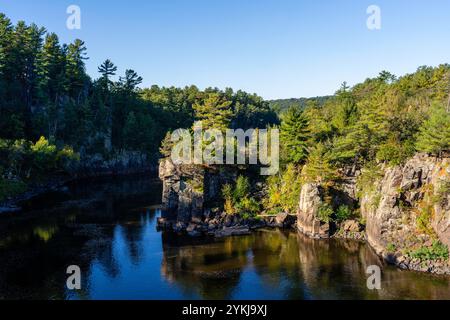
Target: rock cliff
point(409, 203)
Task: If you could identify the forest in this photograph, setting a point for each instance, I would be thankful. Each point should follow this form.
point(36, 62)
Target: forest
point(53, 115)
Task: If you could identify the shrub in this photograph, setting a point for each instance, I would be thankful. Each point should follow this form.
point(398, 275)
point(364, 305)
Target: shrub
point(325, 213)
point(44, 155)
point(248, 206)
point(343, 213)
point(238, 200)
point(435, 252)
point(227, 193)
point(391, 248)
point(242, 189)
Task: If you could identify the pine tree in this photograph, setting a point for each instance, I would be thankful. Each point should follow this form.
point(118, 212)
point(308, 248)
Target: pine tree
point(107, 70)
point(294, 136)
point(319, 167)
point(214, 112)
point(75, 68)
point(131, 80)
point(434, 135)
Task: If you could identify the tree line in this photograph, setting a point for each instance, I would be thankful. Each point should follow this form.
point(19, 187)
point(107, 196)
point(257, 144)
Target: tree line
point(47, 98)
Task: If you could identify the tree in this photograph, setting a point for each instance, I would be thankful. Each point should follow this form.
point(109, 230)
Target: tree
point(294, 136)
point(75, 68)
point(319, 167)
point(346, 111)
point(131, 80)
point(107, 70)
point(214, 112)
point(434, 134)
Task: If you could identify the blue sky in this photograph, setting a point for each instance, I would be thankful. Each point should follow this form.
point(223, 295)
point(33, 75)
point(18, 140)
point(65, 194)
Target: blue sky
point(275, 48)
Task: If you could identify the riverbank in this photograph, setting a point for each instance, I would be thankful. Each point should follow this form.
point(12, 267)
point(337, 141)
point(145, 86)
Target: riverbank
point(59, 184)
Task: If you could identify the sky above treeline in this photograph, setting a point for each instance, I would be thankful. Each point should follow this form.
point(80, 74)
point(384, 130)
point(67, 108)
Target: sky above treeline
point(275, 48)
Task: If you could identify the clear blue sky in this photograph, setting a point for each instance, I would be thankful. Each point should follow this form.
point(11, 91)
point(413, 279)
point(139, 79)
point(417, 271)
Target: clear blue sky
point(276, 48)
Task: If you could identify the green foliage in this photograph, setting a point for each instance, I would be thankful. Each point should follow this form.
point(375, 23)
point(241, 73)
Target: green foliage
point(294, 136)
point(437, 251)
point(434, 135)
point(283, 191)
point(242, 188)
point(391, 248)
point(44, 155)
point(325, 213)
point(367, 181)
point(343, 213)
point(214, 112)
point(319, 167)
point(239, 200)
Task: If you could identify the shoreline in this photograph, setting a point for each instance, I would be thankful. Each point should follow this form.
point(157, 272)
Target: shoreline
point(236, 226)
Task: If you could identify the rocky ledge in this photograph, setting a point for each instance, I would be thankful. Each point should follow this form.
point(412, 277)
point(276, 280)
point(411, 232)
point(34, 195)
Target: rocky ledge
point(223, 225)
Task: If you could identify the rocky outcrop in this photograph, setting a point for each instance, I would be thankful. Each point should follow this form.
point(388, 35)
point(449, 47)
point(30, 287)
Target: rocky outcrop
point(183, 186)
point(308, 221)
point(191, 201)
point(116, 163)
point(403, 200)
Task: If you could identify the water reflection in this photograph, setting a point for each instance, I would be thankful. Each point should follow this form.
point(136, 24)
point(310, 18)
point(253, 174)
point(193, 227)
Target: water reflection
point(108, 229)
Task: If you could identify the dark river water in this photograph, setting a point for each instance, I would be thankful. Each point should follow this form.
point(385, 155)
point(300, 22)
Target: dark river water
point(108, 229)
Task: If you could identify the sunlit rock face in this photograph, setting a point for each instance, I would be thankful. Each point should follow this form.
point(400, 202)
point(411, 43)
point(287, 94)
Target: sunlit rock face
point(402, 196)
point(189, 189)
point(308, 210)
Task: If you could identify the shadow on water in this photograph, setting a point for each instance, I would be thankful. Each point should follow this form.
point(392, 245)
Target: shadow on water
point(108, 228)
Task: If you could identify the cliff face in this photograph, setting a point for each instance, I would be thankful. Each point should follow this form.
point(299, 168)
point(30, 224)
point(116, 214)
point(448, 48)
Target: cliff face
point(308, 221)
point(187, 189)
point(407, 209)
point(406, 198)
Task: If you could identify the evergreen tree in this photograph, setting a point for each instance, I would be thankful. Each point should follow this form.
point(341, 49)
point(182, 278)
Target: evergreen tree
point(131, 80)
point(294, 136)
point(434, 135)
point(214, 112)
point(107, 70)
point(319, 167)
point(76, 69)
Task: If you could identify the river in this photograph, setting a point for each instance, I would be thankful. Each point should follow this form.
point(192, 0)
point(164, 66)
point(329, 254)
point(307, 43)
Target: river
point(107, 227)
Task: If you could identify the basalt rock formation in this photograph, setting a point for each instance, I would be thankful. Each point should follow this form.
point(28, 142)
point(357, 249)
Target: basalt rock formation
point(409, 207)
point(308, 221)
point(406, 209)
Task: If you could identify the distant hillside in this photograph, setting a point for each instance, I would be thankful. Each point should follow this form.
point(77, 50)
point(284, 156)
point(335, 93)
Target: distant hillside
point(281, 105)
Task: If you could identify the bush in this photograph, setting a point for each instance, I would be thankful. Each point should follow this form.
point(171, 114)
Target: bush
point(343, 213)
point(227, 193)
point(238, 200)
point(325, 213)
point(44, 155)
point(248, 206)
point(242, 189)
point(436, 252)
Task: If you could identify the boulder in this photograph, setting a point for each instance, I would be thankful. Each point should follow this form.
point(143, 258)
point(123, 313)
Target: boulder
point(351, 226)
point(232, 231)
point(285, 220)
